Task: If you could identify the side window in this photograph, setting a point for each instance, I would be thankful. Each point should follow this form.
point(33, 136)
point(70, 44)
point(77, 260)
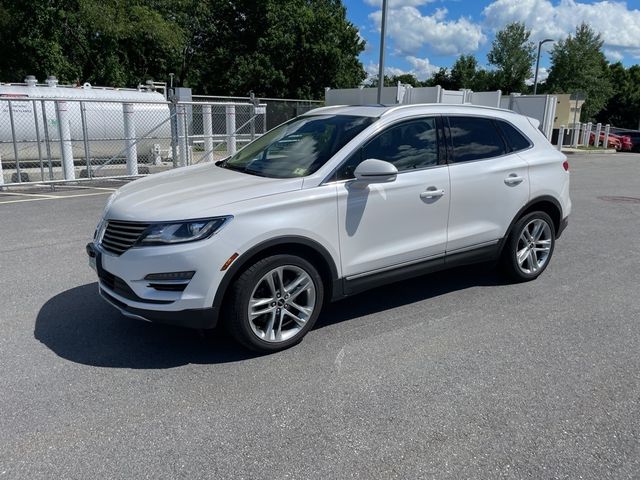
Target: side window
point(408, 145)
point(474, 138)
point(515, 140)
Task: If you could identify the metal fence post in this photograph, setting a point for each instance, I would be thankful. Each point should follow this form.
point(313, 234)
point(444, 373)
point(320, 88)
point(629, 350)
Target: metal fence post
point(187, 147)
point(588, 135)
point(230, 111)
point(47, 138)
point(128, 111)
point(85, 137)
point(181, 114)
point(596, 140)
point(1, 175)
point(560, 137)
point(66, 146)
point(37, 125)
point(207, 127)
point(575, 134)
point(15, 143)
point(252, 113)
point(173, 116)
point(607, 129)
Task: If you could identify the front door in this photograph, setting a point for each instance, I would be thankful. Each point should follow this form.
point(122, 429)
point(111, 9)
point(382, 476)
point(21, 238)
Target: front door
point(387, 225)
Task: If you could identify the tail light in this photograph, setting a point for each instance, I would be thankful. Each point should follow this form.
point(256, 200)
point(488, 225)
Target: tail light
point(565, 165)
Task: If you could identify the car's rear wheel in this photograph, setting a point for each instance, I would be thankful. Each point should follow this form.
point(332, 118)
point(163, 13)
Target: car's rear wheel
point(274, 303)
point(529, 247)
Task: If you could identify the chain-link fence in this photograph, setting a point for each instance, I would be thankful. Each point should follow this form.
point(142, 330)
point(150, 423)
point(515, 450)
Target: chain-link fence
point(278, 110)
point(216, 130)
point(53, 139)
point(56, 139)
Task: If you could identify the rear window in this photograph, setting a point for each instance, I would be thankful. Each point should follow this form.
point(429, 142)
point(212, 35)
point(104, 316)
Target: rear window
point(475, 138)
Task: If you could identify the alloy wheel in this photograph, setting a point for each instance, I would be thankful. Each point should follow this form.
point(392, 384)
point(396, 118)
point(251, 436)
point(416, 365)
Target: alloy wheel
point(281, 303)
point(534, 246)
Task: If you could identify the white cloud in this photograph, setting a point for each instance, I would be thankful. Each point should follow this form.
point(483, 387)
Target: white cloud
point(543, 74)
point(372, 70)
point(619, 25)
point(410, 31)
point(398, 3)
point(613, 55)
point(422, 69)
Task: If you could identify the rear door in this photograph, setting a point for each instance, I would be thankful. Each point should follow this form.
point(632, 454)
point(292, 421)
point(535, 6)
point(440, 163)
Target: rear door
point(489, 183)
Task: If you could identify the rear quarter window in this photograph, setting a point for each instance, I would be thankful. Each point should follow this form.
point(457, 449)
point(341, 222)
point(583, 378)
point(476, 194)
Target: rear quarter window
point(515, 140)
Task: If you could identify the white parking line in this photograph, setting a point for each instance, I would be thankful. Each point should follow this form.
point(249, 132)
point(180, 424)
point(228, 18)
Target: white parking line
point(26, 194)
point(81, 187)
point(44, 197)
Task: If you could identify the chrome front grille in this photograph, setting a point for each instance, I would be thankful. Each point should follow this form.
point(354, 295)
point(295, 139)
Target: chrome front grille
point(121, 236)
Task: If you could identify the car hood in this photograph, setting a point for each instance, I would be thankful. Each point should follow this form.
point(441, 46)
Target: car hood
point(191, 192)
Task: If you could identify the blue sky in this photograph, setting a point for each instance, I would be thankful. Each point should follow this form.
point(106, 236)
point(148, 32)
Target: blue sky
point(423, 35)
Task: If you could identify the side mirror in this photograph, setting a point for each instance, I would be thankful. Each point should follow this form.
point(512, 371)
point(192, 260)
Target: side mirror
point(375, 171)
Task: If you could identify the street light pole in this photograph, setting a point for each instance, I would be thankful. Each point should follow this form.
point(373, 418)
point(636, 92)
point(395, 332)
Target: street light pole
point(535, 81)
point(383, 28)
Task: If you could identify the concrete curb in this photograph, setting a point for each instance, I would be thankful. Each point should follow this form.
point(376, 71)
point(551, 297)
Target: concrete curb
point(588, 152)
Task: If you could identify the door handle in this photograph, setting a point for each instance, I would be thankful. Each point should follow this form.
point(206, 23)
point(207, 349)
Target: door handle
point(513, 179)
point(432, 192)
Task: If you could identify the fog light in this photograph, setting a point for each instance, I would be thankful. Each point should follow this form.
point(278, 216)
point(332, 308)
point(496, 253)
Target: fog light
point(170, 276)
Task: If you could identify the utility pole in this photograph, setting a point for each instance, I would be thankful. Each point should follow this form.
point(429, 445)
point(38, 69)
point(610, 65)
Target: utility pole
point(383, 28)
point(535, 81)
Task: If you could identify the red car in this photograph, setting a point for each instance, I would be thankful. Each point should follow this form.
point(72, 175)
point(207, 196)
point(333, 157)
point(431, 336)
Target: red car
point(619, 142)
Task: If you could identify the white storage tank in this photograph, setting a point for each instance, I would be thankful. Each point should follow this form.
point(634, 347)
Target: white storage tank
point(103, 115)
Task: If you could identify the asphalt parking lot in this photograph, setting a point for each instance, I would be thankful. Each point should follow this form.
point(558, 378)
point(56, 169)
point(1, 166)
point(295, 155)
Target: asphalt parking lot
point(454, 375)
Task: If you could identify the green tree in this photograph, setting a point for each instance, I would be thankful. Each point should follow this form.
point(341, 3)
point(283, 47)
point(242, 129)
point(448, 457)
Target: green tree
point(283, 48)
point(464, 71)
point(578, 64)
point(623, 108)
point(512, 54)
point(116, 42)
point(443, 78)
point(484, 81)
point(290, 48)
point(406, 79)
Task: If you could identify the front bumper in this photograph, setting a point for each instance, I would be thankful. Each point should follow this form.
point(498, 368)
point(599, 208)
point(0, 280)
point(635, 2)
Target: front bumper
point(191, 308)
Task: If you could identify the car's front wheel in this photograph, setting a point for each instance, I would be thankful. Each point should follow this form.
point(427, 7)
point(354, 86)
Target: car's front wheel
point(529, 247)
point(274, 303)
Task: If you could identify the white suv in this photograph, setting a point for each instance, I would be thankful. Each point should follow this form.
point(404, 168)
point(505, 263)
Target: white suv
point(331, 203)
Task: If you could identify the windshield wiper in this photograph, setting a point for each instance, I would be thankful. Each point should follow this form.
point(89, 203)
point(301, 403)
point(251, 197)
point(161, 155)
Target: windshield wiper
point(225, 164)
point(250, 171)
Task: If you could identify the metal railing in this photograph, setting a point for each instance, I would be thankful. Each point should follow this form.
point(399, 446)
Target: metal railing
point(52, 139)
point(583, 135)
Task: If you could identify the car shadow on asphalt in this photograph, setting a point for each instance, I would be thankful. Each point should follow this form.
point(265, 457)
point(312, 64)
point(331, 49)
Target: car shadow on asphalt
point(81, 327)
point(410, 291)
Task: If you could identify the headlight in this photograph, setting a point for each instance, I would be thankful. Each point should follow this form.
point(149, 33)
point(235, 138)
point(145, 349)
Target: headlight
point(100, 229)
point(170, 233)
point(110, 200)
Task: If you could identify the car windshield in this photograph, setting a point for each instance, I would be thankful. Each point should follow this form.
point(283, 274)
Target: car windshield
point(299, 147)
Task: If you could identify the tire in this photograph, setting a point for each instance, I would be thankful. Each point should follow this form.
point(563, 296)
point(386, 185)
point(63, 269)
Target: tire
point(519, 260)
point(283, 310)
